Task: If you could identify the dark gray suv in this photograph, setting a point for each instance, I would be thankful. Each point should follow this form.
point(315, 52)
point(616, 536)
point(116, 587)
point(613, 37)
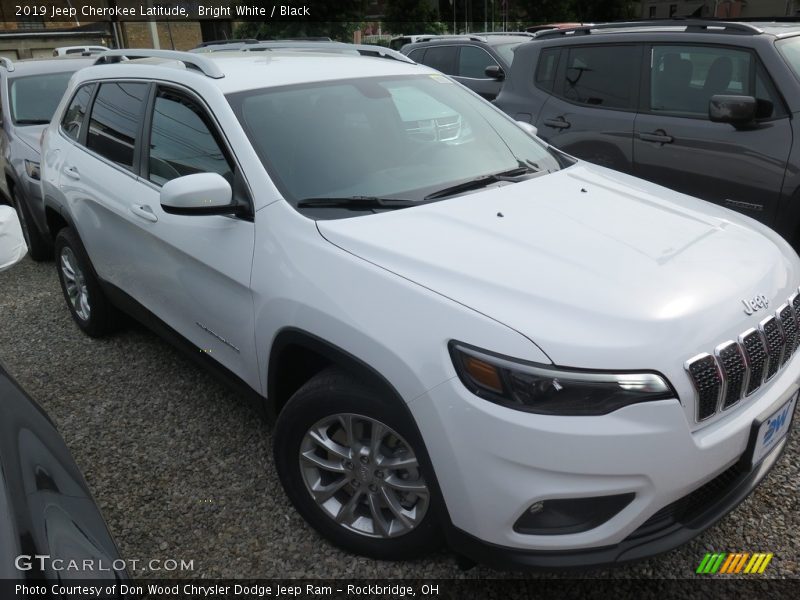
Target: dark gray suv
point(703, 107)
point(478, 61)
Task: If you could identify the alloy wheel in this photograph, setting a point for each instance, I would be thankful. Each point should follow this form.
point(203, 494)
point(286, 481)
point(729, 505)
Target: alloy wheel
point(364, 476)
point(75, 284)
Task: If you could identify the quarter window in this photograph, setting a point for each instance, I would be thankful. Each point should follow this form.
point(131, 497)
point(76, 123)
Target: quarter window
point(73, 118)
point(472, 62)
point(114, 124)
point(546, 69)
point(182, 141)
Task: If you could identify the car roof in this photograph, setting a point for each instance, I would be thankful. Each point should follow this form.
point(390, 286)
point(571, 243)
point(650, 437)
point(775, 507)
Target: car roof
point(710, 27)
point(239, 71)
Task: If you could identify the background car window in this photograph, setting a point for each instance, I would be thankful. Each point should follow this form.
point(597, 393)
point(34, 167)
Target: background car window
point(73, 118)
point(790, 49)
point(182, 141)
point(546, 69)
point(34, 98)
point(472, 62)
point(442, 58)
point(684, 78)
point(507, 50)
point(116, 115)
point(601, 76)
point(417, 55)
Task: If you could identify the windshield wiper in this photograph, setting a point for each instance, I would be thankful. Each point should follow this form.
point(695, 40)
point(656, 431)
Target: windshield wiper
point(358, 202)
point(513, 175)
point(32, 121)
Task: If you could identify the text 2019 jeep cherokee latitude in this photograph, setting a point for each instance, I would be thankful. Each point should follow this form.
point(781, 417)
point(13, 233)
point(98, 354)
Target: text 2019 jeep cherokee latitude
point(459, 329)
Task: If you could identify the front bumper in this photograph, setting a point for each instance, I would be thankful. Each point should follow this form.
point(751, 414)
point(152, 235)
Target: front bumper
point(493, 463)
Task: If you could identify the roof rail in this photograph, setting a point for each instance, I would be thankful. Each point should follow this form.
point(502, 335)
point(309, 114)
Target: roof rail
point(207, 67)
point(6, 63)
point(474, 37)
point(504, 33)
point(690, 25)
point(327, 46)
point(381, 52)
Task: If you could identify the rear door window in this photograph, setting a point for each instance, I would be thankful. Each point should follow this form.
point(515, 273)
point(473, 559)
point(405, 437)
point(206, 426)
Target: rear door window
point(117, 114)
point(601, 76)
point(442, 58)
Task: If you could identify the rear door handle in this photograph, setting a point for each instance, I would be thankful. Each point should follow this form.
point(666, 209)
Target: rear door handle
point(659, 135)
point(72, 172)
point(144, 212)
point(559, 123)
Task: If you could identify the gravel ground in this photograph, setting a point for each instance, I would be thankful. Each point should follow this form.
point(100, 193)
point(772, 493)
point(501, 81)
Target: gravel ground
point(181, 467)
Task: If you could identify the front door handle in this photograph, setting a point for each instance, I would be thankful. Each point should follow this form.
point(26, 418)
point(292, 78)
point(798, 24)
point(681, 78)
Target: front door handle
point(659, 135)
point(559, 123)
point(72, 172)
point(144, 212)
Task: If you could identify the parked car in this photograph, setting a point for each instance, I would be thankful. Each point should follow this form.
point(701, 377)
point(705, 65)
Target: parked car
point(457, 329)
point(478, 61)
point(703, 107)
point(50, 524)
point(78, 50)
point(30, 90)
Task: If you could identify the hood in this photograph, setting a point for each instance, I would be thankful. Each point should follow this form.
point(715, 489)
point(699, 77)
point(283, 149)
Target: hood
point(30, 136)
point(599, 269)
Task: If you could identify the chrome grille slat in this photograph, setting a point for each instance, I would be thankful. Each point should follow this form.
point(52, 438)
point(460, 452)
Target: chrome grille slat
point(738, 368)
point(730, 357)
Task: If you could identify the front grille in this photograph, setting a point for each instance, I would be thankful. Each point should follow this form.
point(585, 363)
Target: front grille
point(739, 368)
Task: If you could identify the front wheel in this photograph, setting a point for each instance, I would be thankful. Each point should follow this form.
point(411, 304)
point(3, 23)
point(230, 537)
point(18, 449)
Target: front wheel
point(87, 303)
point(350, 463)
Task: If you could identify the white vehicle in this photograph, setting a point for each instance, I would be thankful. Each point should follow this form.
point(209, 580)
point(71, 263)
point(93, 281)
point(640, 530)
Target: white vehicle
point(78, 50)
point(461, 332)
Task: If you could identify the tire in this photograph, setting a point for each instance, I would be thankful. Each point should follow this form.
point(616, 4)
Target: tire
point(40, 248)
point(86, 301)
point(370, 526)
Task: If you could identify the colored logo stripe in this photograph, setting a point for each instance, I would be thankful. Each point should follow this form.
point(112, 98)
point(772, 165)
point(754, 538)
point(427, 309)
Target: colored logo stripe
point(721, 562)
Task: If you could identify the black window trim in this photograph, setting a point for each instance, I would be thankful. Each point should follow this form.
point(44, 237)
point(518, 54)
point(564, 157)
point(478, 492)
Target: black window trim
point(81, 139)
point(558, 85)
point(644, 95)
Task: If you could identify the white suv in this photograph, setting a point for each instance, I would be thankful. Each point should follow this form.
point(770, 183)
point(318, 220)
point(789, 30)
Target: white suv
point(460, 331)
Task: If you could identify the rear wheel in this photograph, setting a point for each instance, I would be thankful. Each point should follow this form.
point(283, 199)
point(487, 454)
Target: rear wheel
point(40, 248)
point(350, 463)
point(86, 301)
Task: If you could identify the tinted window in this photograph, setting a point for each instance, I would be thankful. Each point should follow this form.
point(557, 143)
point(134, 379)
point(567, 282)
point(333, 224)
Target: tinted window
point(417, 55)
point(114, 124)
point(73, 118)
point(507, 50)
point(790, 49)
point(602, 76)
point(442, 58)
point(182, 141)
point(546, 69)
point(34, 98)
point(472, 62)
point(684, 78)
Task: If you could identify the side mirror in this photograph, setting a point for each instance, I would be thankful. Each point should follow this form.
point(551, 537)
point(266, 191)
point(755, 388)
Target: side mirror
point(198, 194)
point(495, 72)
point(528, 128)
point(736, 110)
point(12, 242)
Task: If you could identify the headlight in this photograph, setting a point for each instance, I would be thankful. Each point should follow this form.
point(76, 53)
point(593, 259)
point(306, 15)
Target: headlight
point(32, 169)
point(551, 390)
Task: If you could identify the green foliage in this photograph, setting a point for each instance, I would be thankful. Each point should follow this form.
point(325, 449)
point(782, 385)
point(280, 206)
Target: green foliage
point(412, 16)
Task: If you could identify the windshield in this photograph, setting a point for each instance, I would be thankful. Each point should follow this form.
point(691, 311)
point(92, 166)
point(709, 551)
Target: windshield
point(507, 51)
point(397, 137)
point(34, 98)
point(790, 49)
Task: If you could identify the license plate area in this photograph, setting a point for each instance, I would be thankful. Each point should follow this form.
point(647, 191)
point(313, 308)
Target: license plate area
point(766, 433)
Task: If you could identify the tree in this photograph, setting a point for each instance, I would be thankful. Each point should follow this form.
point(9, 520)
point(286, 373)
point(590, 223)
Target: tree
point(412, 16)
point(337, 20)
